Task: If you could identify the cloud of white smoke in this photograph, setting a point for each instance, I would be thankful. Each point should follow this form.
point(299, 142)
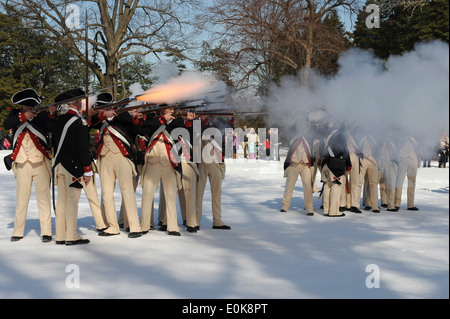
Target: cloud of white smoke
point(409, 93)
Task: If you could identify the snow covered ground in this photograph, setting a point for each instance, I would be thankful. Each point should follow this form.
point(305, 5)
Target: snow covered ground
point(266, 254)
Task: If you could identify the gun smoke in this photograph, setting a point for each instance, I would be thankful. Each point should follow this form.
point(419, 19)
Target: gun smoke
point(407, 94)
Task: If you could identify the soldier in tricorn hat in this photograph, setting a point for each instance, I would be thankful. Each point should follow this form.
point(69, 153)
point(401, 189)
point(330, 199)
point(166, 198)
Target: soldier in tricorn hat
point(91, 188)
point(31, 159)
point(72, 167)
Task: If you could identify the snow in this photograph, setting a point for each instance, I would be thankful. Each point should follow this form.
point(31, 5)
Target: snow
point(266, 255)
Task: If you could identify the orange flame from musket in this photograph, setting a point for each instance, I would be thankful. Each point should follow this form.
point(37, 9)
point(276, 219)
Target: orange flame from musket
point(176, 90)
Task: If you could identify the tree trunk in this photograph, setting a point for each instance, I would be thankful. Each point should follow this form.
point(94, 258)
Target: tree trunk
point(306, 70)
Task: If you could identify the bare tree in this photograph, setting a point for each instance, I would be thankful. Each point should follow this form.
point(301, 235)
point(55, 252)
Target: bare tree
point(409, 3)
point(117, 29)
point(288, 31)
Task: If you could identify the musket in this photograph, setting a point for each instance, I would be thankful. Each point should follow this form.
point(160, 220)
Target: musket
point(185, 107)
point(88, 117)
point(206, 113)
point(120, 102)
point(220, 113)
point(134, 107)
point(38, 109)
point(180, 106)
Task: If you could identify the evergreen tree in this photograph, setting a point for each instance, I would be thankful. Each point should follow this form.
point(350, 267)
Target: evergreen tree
point(29, 60)
point(402, 27)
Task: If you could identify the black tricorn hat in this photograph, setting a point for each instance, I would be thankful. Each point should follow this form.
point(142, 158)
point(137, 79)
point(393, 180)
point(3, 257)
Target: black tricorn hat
point(27, 97)
point(104, 98)
point(68, 95)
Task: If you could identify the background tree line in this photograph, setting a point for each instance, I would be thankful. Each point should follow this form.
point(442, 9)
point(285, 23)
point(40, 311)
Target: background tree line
point(242, 42)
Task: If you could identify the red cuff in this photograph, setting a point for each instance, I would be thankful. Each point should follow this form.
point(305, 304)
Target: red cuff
point(162, 119)
point(135, 121)
point(22, 117)
point(52, 116)
point(101, 116)
point(87, 169)
point(188, 123)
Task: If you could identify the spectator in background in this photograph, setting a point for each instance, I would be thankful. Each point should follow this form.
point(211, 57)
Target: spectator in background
point(235, 144)
point(245, 141)
point(443, 153)
point(267, 147)
point(253, 141)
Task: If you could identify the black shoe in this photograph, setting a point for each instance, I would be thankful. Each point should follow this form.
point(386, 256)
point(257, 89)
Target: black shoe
point(355, 209)
point(384, 205)
point(309, 214)
point(174, 233)
point(397, 207)
point(60, 242)
point(163, 228)
point(221, 227)
point(134, 234)
point(283, 211)
point(412, 208)
point(101, 230)
point(392, 210)
point(77, 242)
point(375, 210)
point(340, 215)
point(342, 209)
point(16, 238)
point(46, 238)
point(121, 225)
point(367, 208)
point(144, 232)
point(191, 229)
point(197, 228)
point(105, 234)
point(152, 227)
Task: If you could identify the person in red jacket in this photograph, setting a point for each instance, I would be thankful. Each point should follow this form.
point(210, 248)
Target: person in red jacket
point(31, 159)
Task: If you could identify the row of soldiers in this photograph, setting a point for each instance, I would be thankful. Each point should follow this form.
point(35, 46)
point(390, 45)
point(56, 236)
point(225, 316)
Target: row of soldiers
point(50, 145)
point(350, 164)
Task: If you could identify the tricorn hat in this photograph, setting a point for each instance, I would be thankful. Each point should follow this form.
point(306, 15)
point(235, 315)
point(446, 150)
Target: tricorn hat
point(27, 97)
point(68, 95)
point(104, 98)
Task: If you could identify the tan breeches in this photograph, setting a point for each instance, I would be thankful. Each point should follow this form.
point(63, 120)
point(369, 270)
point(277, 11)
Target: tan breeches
point(94, 203)
point(214, 173)
point(153, 174)
point(331, 193)
point(186, 197)
point(67, 206)
point(305, 172)
point(117, 167)
point(406, 168)
point(369, 174)
point(352, 199)
point(27, 173)
point(123, 214)
point(389, 172)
